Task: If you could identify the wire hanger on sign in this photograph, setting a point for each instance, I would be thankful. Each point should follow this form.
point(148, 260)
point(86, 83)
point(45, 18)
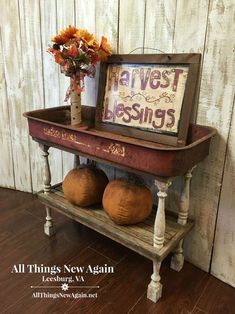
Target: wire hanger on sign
point(145, 48)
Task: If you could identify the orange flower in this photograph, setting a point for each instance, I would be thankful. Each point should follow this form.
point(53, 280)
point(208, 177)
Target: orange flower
point(65, 35)
point(57, 54)
point(58, 57)
point(93, 44)
point(59, 39)
point(105, 49)
point(82, 33)
point(85, 36)
point(72, 51)
point(69, 32)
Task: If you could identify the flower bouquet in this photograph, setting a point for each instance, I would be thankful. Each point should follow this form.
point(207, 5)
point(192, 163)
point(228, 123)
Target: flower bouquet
point(77, 52)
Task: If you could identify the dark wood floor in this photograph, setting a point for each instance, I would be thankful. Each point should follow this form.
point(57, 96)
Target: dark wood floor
point(22, 241)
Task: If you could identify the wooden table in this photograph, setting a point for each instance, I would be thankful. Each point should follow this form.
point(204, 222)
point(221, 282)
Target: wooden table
point(163, 232)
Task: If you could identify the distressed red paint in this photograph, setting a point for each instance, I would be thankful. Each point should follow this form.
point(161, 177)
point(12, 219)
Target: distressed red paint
point(131, 154)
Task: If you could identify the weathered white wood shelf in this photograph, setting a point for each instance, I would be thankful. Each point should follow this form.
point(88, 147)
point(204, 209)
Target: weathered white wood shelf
point(138, 238)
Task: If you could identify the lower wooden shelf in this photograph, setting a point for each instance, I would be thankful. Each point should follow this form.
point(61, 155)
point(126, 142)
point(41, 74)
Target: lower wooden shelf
point(138, 238)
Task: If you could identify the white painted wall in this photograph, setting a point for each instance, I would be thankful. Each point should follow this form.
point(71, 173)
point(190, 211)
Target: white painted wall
point(29, 80)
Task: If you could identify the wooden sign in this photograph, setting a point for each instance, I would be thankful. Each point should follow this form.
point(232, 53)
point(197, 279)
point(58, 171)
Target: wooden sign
point(148, 96)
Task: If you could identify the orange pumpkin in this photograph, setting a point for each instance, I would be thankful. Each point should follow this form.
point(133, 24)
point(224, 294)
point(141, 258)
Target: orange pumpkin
point(85, 186)
point(127, 203)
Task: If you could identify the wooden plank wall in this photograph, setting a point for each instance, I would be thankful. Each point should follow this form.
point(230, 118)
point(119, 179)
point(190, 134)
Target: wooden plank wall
point(223, 260)
point(29, 79)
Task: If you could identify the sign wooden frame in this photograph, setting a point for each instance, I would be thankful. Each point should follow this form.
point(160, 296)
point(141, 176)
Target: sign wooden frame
point(149, 63)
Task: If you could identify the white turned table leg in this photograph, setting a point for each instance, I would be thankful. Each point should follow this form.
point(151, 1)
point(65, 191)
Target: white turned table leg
point(49, 228)
point(160, 220)
point(155, 287)
point(76, 162)
point(46, 169)
point(177, 260)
